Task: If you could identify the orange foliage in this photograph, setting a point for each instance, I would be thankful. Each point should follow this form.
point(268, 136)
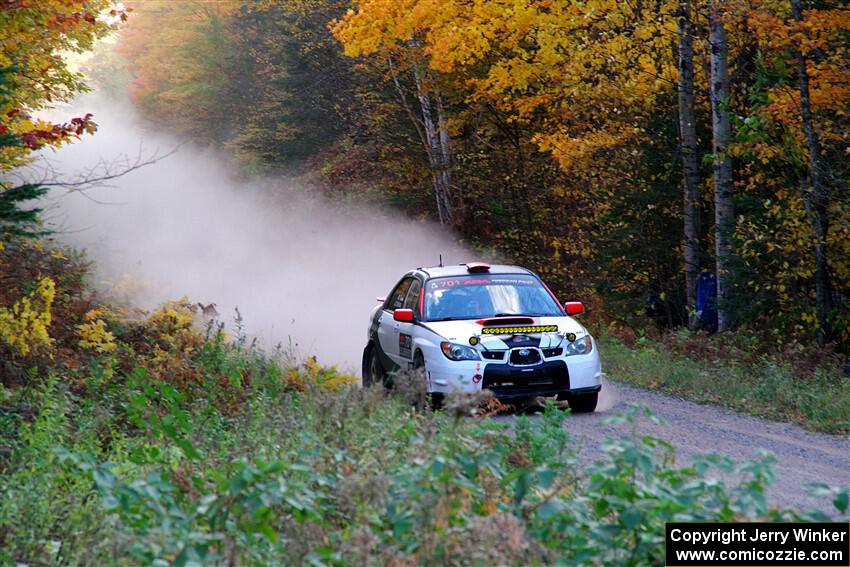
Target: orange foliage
point(35, 38)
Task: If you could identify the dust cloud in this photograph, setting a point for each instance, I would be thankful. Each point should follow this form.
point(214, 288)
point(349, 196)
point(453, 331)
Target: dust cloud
point(302, 271)
point(608, 396)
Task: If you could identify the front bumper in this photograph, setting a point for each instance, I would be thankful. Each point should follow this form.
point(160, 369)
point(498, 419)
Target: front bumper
point(560, 375)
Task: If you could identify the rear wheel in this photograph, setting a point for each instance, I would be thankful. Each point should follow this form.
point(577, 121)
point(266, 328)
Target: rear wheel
point(583, 403)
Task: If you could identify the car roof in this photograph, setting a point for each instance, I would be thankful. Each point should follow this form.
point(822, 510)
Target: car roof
point(460, 270)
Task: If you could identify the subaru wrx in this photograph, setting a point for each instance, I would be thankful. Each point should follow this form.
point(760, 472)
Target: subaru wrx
point(475, 326)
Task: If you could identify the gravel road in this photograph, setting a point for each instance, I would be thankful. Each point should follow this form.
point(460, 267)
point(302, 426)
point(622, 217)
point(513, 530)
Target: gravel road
point(802, 456)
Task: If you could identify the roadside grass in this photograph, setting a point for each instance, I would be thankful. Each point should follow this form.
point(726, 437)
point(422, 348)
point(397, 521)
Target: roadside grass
point(818, 400)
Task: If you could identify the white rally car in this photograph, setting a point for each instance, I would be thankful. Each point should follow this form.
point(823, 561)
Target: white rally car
point(475, 326)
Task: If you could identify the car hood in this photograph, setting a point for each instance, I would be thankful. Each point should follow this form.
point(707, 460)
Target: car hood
point(461, 331)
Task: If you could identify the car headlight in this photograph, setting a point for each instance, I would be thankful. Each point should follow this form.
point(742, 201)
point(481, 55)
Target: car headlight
point(459, 352)
point(581, 345)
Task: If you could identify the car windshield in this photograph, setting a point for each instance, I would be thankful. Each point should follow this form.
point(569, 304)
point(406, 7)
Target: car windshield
point(485, 295)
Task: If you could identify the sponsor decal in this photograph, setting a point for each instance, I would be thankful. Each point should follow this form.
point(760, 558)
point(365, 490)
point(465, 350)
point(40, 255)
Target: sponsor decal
point(473, 340)
point(444, 283)
point(519, 330)
point(405, 345)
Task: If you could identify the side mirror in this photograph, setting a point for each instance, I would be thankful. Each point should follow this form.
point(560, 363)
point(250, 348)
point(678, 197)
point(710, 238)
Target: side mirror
point(403, 315)
point(381, 298)
point(574, 307)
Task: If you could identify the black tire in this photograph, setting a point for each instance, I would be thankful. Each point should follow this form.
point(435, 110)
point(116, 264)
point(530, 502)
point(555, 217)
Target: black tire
point(435, 399)
point(418, 360)
point(583, 403)
point(373, 371)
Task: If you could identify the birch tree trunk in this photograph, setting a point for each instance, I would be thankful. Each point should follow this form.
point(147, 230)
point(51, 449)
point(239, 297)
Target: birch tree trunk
point(816, 196)
point(690, 158)
point(438, 149)
point(445, 161)
point(724, 209)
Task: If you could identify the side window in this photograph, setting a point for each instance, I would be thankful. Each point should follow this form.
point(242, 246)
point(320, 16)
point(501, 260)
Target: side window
point(396, 300)
point(412, 300)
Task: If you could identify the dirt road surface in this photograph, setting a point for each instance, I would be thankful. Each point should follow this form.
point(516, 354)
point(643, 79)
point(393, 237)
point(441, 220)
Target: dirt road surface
point(802, 456)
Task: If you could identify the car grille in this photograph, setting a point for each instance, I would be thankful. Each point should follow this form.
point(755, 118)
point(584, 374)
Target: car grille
point(550, 352)
point(493, 354)
point(525, 356)
point(507, 381)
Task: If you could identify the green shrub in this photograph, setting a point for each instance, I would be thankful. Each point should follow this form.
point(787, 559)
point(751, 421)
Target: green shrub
point(354, 477)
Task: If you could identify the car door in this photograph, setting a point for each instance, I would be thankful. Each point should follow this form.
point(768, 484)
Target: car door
point(404, 331)
point(387, 330)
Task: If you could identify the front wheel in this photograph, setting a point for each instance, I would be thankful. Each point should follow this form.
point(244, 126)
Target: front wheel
point(435, 398)
point(374, 370)
point(583, 403)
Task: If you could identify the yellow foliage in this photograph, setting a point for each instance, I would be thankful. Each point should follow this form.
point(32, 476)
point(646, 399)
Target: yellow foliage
point(572, 58)
point(93, 334)
point(295, 379)
point(173, 321)
point(326, 377)
point(23, 327)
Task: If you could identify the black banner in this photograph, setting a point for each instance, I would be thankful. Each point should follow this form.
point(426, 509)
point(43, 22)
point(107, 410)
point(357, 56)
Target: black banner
point(761, 544)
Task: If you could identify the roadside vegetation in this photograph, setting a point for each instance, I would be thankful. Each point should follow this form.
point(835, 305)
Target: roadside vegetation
point(133, 438)
point(797, 387)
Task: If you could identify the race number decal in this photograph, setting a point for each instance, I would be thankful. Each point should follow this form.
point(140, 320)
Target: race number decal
point(405, 345)
point(448, 283)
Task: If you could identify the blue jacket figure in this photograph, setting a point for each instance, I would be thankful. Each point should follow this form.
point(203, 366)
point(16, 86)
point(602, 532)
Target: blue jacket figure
point(707, 301)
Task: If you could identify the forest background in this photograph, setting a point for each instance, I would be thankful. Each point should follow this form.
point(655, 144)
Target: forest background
point(619, 149)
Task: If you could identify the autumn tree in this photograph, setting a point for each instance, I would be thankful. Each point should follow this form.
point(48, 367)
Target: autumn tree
point(386, 32)
point(797, 130)
point(34, 73)
point(587, 86)
point(185, 65)
point(303, 90)
point(817, 192)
